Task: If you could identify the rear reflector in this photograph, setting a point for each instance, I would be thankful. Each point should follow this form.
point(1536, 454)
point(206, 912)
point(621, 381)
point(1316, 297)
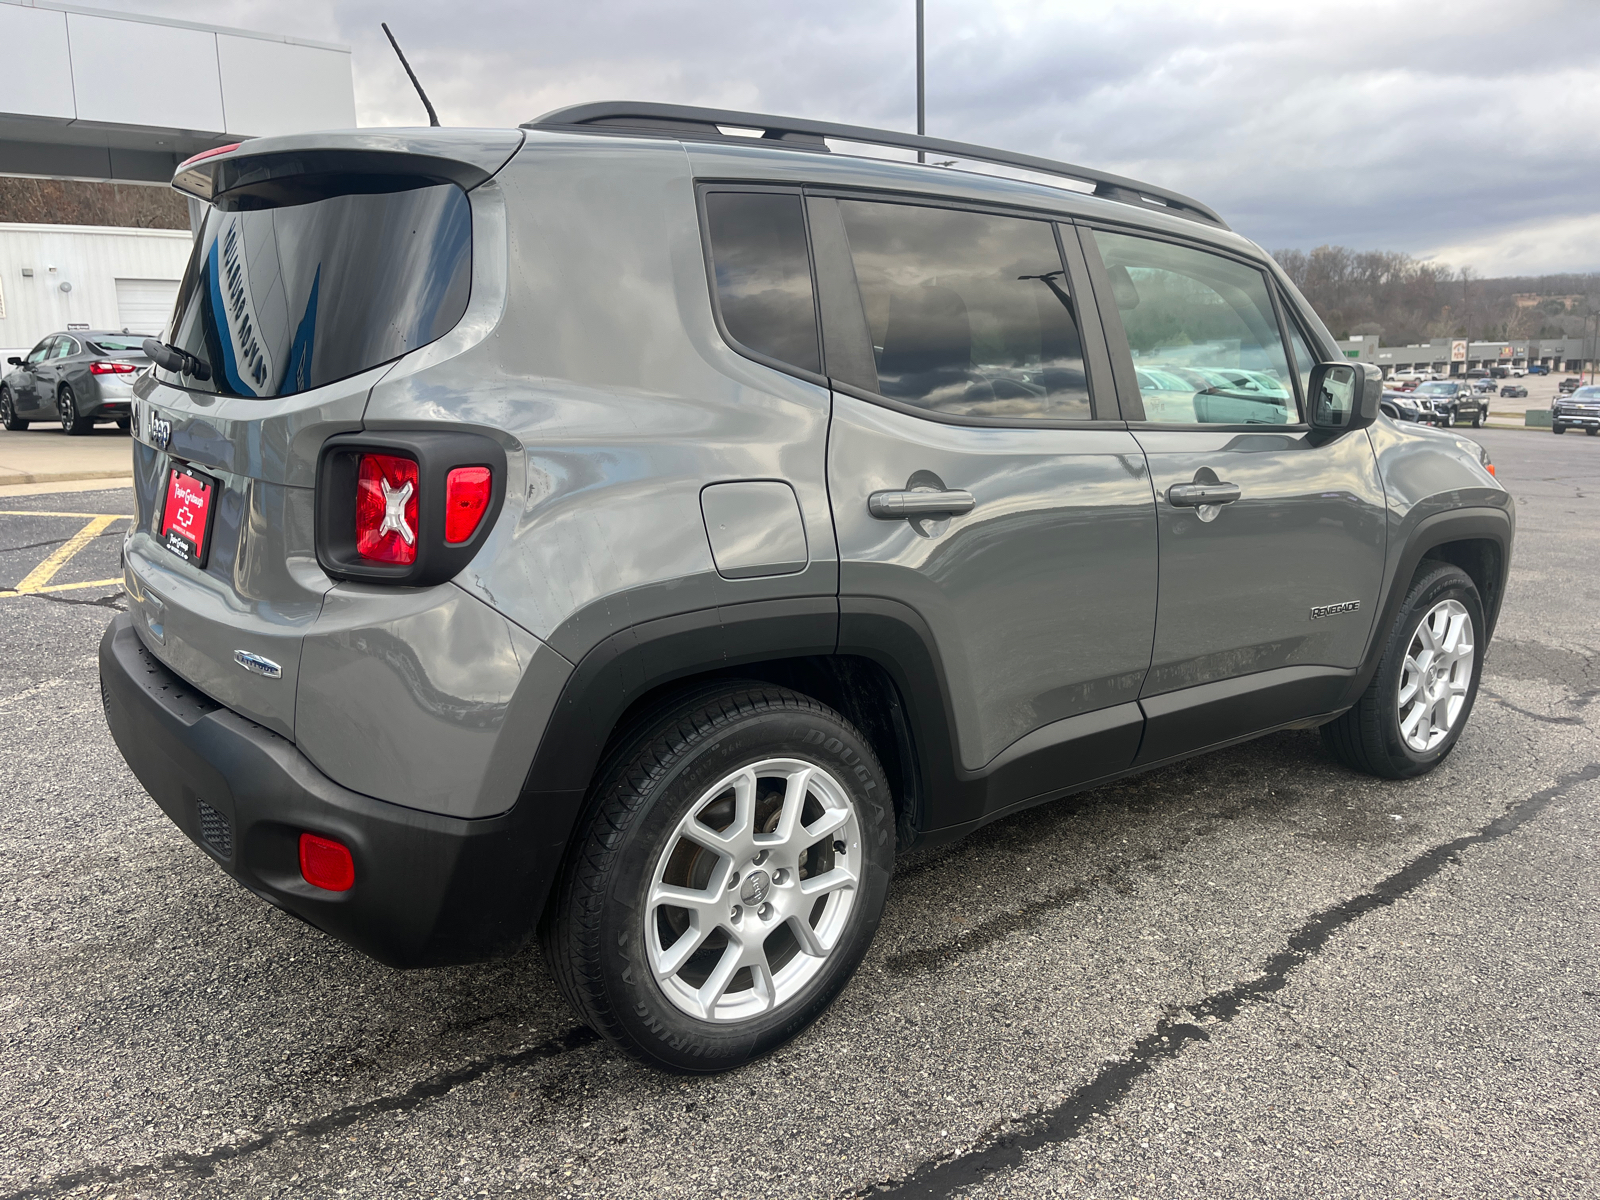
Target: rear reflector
point(466, 496)
point(112, 368)
point(211, 153)
point(326, 864)
point(386, 509)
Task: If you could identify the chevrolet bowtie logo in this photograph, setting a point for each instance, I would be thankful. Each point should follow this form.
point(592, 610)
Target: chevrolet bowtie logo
point(394, 512)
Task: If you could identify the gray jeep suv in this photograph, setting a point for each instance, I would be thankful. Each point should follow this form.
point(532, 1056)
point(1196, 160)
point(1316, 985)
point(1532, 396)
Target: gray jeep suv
point(633, 532)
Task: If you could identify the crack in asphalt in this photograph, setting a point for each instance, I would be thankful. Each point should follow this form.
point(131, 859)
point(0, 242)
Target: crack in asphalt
point(1008, 1144)
point(111, 601)
point(205, 1162)
point(1504, 703)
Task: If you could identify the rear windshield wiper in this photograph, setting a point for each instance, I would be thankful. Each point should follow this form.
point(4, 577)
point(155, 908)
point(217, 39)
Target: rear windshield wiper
point(179, 362)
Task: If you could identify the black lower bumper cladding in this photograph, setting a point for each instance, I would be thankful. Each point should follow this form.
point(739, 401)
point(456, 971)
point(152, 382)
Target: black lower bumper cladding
point(430, 890)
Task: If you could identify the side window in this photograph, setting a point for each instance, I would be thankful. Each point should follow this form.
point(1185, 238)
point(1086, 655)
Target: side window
point(65, 348)
point(970, 314)
point(1204, 337)
point(42, 351)
point(1304, 360)
point(763, 274)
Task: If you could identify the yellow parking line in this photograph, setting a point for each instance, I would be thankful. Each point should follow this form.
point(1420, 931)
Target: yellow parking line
point(60, 587)
point(41, 575)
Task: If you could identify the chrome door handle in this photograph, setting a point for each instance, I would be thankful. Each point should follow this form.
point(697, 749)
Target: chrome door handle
point(893, 506)
point(1193, 495)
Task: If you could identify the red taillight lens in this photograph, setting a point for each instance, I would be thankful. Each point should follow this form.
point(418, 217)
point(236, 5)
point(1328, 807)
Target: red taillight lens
point(211, 153)
point(112, 368)
point(326, 864)
point(386, 509)
point(466, 496)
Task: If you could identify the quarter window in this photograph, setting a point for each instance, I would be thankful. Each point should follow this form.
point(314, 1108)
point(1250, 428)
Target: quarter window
point(970, 314)
point(763, 274)
point(1203, 334)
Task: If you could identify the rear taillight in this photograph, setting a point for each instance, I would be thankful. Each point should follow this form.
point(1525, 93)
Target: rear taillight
point(211, 153)
point(326, 864)
point(112, 368)
point(386, 509)
point(466, 498)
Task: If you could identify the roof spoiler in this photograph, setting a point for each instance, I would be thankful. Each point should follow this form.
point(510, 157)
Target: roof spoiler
point(467, 157)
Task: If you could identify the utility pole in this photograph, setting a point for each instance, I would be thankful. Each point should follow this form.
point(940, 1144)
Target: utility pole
point(922, 93)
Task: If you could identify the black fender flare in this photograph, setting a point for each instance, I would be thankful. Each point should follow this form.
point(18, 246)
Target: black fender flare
point(1480, 523)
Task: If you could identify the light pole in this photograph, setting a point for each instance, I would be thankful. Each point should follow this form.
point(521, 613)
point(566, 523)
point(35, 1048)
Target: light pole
point(922, 96)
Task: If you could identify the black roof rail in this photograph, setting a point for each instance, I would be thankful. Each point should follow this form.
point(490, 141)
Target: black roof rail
point(702, 124)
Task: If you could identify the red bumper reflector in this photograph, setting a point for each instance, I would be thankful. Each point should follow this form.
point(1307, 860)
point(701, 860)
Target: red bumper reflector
point(466, 496)
point(326, 864)
point(386, 509)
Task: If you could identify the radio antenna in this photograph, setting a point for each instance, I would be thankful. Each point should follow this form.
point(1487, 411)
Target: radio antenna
point(433, 117)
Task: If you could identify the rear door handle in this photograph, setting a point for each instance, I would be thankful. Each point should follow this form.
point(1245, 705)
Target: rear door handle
point(1193, 495)
point(893, 506)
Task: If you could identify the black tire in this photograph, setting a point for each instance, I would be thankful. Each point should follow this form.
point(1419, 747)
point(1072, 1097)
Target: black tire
point(1477, 420)
point(594, 931)
point(73, 423)
point(8, 412)
point(1558, 428)
point(1368, 737)
point(1449, 419)
point(1591, 431)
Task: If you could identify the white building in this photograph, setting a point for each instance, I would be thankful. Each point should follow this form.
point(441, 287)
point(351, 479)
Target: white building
point(107, 97)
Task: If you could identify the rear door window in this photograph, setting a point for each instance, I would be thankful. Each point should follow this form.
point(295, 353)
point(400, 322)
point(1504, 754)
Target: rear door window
point(970, 313)
point(290, 288)
point(1202, 331)
point(762, 273)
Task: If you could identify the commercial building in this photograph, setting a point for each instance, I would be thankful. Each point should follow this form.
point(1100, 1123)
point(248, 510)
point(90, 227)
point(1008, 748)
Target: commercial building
point(1454, 356)
point(101, 106)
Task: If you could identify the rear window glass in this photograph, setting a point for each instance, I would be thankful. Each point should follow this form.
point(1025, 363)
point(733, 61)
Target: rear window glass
point(970, 314)
point(113, 345)
point(281, 296)
point(763, 274)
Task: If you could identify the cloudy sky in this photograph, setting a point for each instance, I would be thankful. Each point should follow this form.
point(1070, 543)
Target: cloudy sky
point(1466, 130)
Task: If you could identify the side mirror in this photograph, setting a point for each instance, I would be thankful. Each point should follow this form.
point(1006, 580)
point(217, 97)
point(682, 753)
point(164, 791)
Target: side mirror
point(14, 361)
point(1344, 396)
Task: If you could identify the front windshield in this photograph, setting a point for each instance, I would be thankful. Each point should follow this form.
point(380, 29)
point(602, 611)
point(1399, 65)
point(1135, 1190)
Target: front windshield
point(282, 296)
point(1437, 389)
point(1587, 393)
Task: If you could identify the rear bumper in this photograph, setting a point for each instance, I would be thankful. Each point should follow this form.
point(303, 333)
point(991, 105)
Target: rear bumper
point(430, 890)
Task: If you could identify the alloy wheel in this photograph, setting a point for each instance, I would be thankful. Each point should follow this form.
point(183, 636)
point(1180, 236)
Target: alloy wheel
point(1436, 676)
point(753, 890)
point(67, 409)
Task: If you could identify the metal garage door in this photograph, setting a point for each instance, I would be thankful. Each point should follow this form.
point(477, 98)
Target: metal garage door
point(145, 305)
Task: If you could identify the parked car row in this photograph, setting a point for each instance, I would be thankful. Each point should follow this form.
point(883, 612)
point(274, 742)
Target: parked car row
point(78, 379)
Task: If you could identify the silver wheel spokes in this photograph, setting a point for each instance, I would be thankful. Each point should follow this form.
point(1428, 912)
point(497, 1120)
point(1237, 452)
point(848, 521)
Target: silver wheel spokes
point(1436, 675)
point(753, 890)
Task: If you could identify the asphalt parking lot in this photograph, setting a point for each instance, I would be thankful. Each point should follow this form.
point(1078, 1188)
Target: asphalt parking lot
point(1251, 974)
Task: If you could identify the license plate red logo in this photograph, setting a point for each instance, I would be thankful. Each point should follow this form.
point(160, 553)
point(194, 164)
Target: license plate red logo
point(186, 519)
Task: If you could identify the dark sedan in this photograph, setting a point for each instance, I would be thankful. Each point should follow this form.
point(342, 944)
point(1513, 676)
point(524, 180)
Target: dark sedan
point(1514, 390)
point(76, 378)
point(1399, 406)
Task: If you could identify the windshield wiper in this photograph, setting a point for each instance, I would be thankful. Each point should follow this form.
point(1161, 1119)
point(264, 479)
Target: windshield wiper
point(179, 362)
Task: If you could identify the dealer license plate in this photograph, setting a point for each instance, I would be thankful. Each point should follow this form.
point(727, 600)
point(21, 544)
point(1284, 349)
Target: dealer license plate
point(186, 517)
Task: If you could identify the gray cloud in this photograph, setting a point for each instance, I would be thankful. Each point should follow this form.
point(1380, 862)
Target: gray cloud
point(1421, 126)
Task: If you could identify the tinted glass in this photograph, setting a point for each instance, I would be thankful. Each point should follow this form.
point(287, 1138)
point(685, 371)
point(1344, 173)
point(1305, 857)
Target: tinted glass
point(1204, 337)
point(1587, 393)
point(279, 298)
point(40, 352)
point(64, 347)
point(970, 314)
point(113, 345)
point(763, 274)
